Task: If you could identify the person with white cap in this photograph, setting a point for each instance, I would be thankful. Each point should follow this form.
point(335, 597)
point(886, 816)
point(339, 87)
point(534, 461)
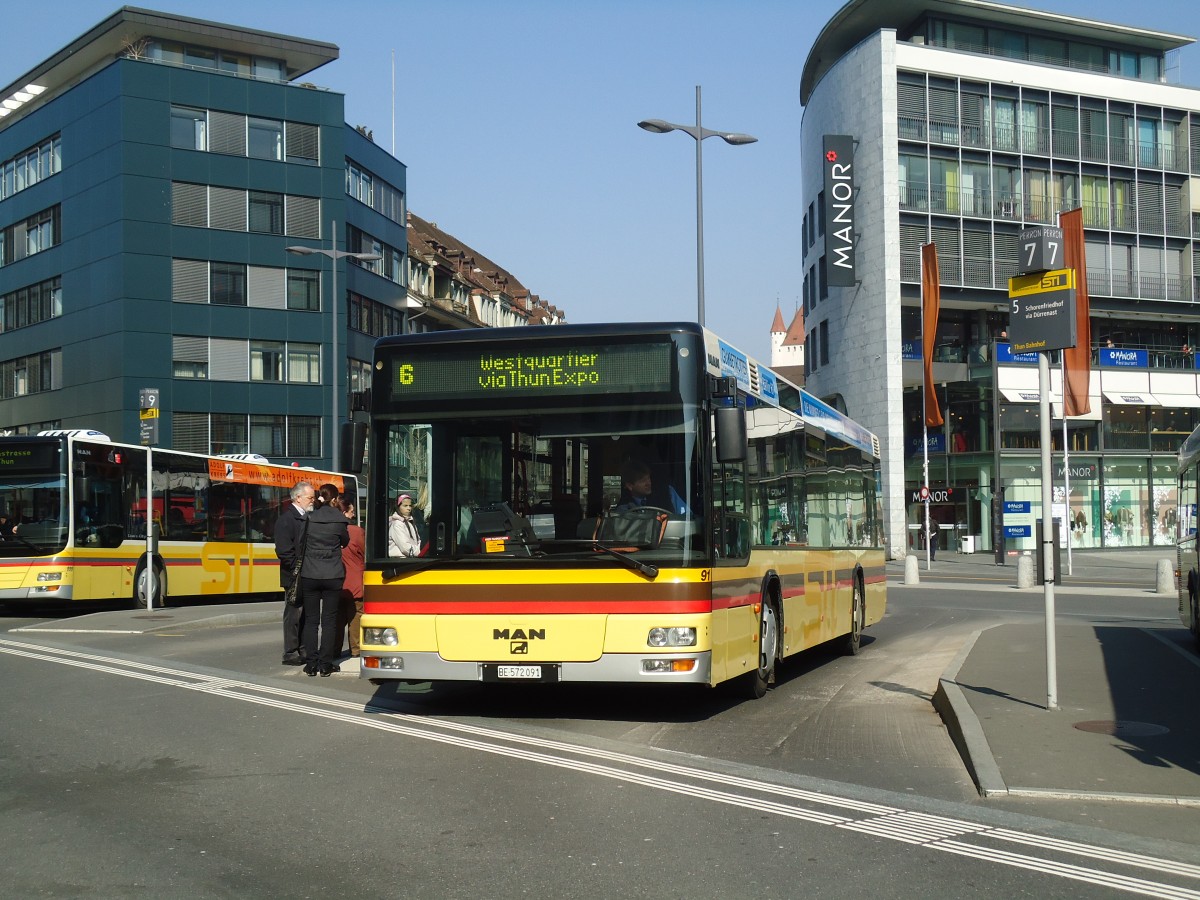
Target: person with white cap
point(403, 537)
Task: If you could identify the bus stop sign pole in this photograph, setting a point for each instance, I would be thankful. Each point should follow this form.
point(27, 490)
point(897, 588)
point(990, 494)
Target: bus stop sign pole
point(148, 421)
point(1042, 318)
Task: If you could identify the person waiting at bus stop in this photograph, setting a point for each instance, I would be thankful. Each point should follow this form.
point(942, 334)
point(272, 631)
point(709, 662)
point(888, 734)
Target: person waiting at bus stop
point(289, 531)
point(321, 579)
point(353, 558)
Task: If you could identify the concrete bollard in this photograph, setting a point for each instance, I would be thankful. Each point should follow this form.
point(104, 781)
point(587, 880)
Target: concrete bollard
point(1024, 571)
point(1166, 577)
point(912, 572)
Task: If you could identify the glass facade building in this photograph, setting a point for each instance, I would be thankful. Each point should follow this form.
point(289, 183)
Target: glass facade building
point(972, 124)
point(152, 175)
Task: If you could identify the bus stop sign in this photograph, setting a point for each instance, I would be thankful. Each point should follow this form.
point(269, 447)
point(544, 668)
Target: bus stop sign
point(148, 416)
point(1042, 311)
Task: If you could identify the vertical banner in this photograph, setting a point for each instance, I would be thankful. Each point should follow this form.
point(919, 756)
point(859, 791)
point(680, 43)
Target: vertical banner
point(931, 299)
point(838, 209)
point(1077, 360)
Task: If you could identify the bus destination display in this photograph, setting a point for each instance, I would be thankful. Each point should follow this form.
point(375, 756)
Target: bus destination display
point(480, 372)
point(42, 456)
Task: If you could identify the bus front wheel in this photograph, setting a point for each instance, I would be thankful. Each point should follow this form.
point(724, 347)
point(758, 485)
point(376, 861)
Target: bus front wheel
point(139, 585)
point(768, 650)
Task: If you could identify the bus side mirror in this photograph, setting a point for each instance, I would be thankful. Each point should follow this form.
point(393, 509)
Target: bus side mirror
point(731, 434)
point(354, 446)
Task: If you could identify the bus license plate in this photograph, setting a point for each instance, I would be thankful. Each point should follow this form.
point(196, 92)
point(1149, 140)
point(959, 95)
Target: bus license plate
point(534, 672)
point(545, 673)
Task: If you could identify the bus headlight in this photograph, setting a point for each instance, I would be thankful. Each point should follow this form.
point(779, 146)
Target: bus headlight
point(672, 637)
point(49, 576)
point(668, 666)
point(386, 637)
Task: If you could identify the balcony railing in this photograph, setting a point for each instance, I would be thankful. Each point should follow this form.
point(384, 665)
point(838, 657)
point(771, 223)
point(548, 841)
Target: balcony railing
point(977, 272)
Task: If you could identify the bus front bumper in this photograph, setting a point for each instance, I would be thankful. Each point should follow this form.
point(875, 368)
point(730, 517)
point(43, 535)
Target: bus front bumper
point(642, 668)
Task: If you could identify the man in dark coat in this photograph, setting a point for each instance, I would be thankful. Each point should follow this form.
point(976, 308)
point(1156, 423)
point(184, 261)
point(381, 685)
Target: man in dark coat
point(289, 528)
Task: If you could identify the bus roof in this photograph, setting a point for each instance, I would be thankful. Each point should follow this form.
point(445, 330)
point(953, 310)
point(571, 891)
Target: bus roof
point(767, 386)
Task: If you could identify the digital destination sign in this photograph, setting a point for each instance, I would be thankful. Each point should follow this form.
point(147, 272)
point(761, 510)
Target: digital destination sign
point(479, 372)
point(42, 456)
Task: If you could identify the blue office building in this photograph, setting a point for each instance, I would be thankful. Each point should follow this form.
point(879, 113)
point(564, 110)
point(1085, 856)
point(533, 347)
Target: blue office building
point(153, 174)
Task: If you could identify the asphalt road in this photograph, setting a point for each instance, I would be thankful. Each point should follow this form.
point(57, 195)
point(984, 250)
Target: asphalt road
point(187, 762)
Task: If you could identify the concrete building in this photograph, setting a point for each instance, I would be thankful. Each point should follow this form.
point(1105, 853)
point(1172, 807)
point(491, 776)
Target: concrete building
point(971, 120)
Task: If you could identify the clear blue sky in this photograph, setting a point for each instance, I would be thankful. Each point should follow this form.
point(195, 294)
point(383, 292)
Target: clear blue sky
point(517, 121)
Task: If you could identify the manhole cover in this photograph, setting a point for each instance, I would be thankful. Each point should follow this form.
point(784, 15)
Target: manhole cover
point(1121, 728)
point(152, 617)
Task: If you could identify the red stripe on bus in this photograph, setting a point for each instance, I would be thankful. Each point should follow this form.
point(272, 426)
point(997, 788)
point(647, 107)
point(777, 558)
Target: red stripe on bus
point(518, 607)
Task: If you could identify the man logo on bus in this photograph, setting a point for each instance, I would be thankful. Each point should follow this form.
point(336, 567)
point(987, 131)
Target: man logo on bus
point(518, 648)
point(518, 634)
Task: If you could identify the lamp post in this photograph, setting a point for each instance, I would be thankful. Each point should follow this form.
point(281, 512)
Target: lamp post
point(698, 133)
point(334, 255)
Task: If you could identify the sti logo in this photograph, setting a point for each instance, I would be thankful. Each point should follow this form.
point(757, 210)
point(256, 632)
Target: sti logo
point(518, 638)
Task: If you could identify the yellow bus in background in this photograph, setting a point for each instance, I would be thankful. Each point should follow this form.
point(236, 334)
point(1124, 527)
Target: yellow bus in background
point(73, 518)
point(757, 534)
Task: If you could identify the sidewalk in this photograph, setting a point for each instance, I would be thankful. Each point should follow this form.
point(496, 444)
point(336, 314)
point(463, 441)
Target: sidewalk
point(1124, 727)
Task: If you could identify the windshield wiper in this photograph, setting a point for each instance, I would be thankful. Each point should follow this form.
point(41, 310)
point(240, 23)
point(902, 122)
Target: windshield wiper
point(647, 569)
point(37, 549)
point(650, 571)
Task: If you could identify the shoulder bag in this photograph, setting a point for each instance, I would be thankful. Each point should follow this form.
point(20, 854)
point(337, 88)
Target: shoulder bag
point(291, 594)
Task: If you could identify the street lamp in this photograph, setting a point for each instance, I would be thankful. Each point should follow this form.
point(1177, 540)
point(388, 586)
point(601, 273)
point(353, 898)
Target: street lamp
point(334, 255)
point(698, 133)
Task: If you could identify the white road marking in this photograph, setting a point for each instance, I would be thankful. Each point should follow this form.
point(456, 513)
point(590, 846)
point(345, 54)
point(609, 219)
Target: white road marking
point(907, 826)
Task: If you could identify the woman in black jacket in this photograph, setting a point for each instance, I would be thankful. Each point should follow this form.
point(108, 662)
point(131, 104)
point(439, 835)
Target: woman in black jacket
point(321, 579)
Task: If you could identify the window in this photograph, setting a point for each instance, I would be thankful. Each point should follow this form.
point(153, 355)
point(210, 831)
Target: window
point(30, 305)
point(189, 356)
point(303, 142)
point(234, 63)
point(189, 128)
point(228, 282)
point(30, 166)
point(266, 360)
point(37, 233)
point(32, 374)
point(914, 184)
point(303, 289)
point(229, 433)
point(267, 435)
point(304, 436)
point(824, 343)
point(266, 212)
point(264, 138)
point(374, 192)
point(304, 363)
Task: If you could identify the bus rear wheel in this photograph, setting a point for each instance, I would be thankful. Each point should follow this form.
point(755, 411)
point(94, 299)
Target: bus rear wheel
point(139, 585)
point(857, 616)
point(768, 650)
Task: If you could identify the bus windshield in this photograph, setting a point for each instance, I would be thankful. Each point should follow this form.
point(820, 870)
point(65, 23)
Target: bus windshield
point(33, 515)
point(529, 486)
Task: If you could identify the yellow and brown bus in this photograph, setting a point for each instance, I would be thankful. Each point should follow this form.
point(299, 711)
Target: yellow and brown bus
point(756, 534)
point(73, 520)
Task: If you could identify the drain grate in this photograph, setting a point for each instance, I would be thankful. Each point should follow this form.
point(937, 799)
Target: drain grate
point(1121, 728)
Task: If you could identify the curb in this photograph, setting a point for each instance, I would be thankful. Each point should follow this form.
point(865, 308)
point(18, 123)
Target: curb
point(964, 728)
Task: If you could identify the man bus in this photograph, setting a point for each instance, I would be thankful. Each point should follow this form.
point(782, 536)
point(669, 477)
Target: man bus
point(76, 505)
point(756, 534)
